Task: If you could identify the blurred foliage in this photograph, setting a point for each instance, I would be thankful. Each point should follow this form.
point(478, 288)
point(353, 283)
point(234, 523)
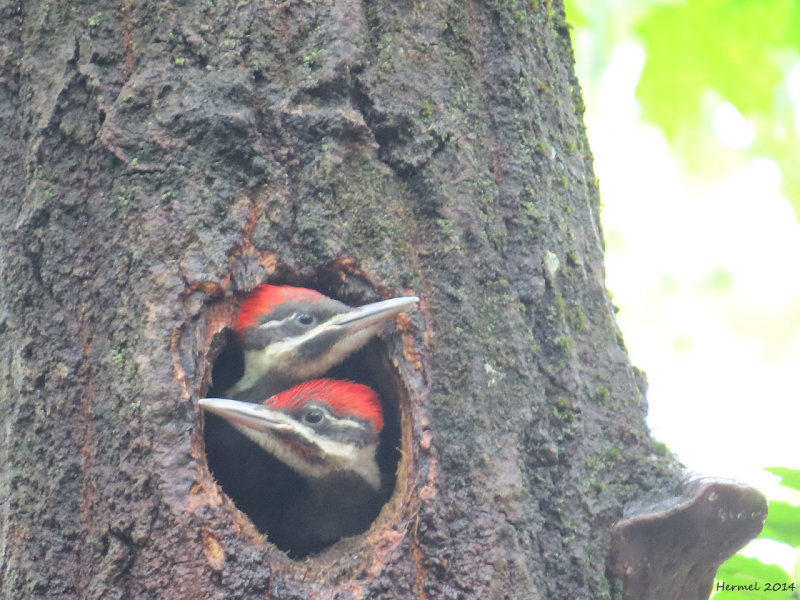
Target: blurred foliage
point(699, 57)
point(701, 54)
point(783, 522)
point(789, 477)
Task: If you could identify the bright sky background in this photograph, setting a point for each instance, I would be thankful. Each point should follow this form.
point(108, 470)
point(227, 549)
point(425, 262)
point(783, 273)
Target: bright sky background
point(707, 277)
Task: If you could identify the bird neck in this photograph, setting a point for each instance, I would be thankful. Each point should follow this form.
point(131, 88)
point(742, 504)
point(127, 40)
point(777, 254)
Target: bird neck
point(324, 511)
point(262, 376)
point(344, 488)
point(260, 389)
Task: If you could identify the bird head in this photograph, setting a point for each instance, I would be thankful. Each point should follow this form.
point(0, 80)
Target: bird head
point(319, 428)
point(292, 334)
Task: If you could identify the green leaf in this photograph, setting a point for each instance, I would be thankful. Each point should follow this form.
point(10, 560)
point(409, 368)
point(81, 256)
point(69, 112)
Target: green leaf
point(725, 45)
point(783, 523)
point(701, 53)
point(789, 477)
point(575, 13)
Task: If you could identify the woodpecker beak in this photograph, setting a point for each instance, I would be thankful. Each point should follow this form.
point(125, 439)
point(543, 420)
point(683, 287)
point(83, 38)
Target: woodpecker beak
point(371, 314)
point(246, 414)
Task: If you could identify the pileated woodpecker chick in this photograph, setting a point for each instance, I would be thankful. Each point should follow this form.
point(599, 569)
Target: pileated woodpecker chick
point(292, 334)
point(326, 431)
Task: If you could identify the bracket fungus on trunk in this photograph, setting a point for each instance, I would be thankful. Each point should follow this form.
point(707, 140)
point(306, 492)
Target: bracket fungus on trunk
point(673, 548)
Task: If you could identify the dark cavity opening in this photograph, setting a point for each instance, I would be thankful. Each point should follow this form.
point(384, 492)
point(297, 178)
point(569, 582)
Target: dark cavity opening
point(266, 489)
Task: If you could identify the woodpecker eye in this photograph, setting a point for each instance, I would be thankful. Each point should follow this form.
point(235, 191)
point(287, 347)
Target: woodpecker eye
point(313, 417)
point(304, 319)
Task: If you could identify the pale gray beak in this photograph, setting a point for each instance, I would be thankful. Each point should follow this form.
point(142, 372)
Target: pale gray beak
point(248, 414)
point(370, 314)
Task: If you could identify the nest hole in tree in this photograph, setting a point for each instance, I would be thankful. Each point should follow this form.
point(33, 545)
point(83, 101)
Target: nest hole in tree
point(260, 485)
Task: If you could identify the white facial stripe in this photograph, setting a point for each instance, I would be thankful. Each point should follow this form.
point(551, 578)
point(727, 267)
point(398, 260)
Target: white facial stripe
point(340, 455)
point(272, 324)
point(345, 423)
point(275, 356)
point(278, 355)
point(290, 345)
point(359, 460)
point(280, 450)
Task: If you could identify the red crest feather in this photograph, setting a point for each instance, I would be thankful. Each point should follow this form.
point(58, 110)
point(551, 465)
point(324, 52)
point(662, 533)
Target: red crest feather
point(343, 397)
point(265, 297)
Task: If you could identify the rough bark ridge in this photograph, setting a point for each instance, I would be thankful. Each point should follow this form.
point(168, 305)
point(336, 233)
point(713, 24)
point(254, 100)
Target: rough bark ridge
point(157, 154)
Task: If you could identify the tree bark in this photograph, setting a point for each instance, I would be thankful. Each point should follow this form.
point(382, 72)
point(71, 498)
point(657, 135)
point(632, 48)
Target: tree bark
point(159, 158)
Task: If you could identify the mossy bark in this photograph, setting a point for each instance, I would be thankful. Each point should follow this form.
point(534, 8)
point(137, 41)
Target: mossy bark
point(157, 157)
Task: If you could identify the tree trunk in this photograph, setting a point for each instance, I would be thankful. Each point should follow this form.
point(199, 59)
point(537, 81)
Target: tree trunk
point(160, 158)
